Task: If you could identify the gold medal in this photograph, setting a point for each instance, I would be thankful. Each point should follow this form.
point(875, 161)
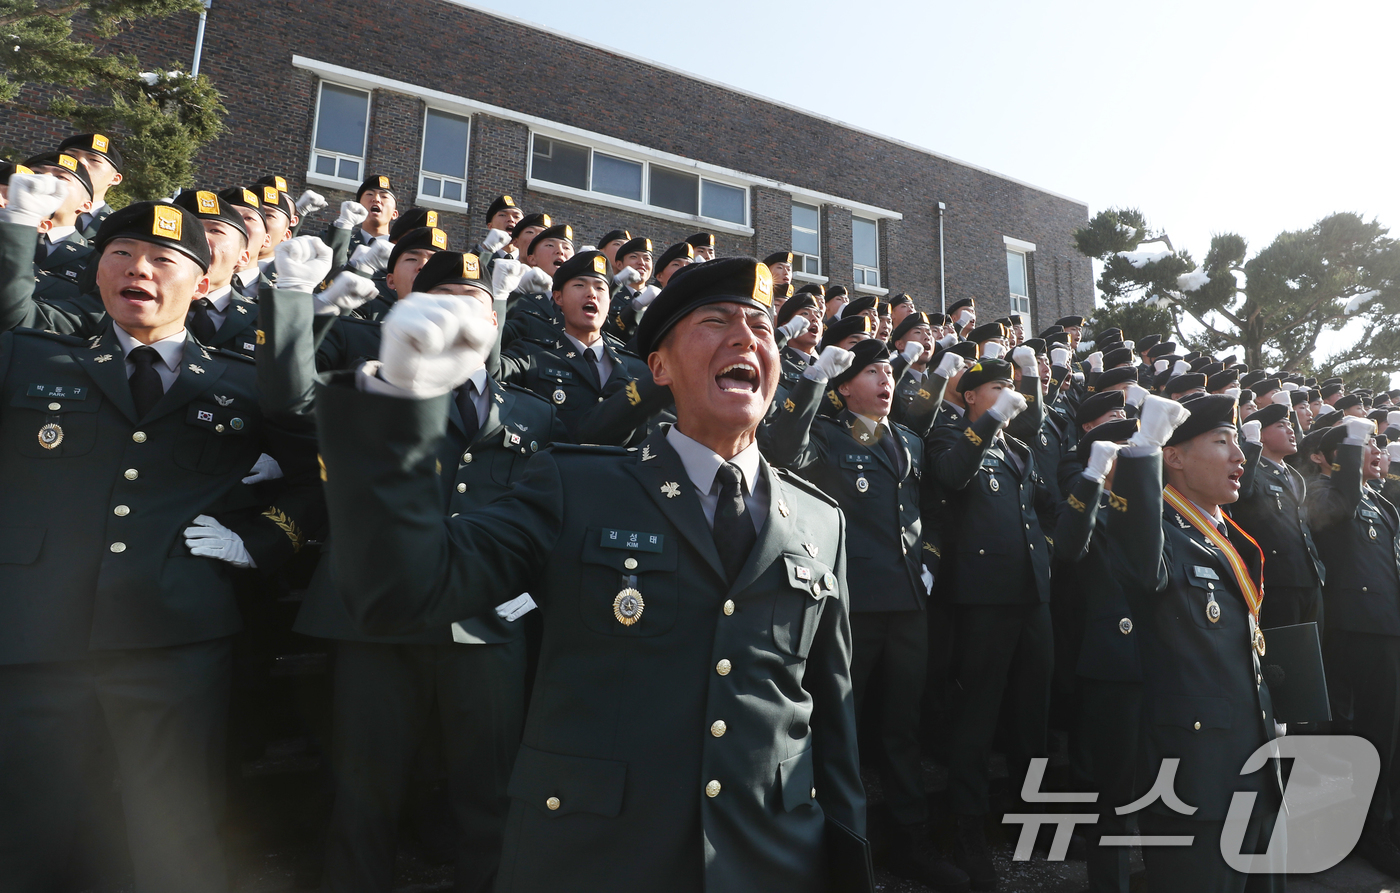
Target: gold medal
point(1256, 635)
point(628, 606)
point(862, 484)
point(994, 485)
point(50, 436)
point(1213, 610)
point(559, 395)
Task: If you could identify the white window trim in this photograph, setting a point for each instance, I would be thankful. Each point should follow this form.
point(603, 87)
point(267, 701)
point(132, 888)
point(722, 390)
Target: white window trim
point(792, 225)
point(872, 290)
point(435, 202)
point(799, 276)
point(1013, 246)
point(364, 80)
point(626, 204)
point(1020, 245)
point(338, 182)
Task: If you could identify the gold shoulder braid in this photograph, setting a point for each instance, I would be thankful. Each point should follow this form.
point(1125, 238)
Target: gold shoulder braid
point(288, 526)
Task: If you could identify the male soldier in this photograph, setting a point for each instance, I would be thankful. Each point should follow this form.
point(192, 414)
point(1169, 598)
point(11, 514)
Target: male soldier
point(220, 318)
point(524, 232)
point(836, 300)
point(381, 206)
point(780, 262)
point(872, 468)
point(1271, 509)
point(704, 245)
point(501, 217)
point(612, 240)
point(103, 162)
point(677, 257)
point(632, 264)
point(279, 216)
point(696, 653)
point(406, 258)
point(121, 440)
point(901, 306)
point(800, 351)
point(532, 313)
point(63, 252)
point(246, 204)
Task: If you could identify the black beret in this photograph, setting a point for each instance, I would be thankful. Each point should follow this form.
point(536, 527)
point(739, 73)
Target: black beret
point(274, 199)
point(1147, 343)
point(1333, 380)
point(937, 319)
point(1208, 412)
point(1222, 379)
point(1070, 322)
point(1098, 404)
point(866, 352)
point(859, 305)
point(451, 268)
point(1161, 349)
point(1109, 335)
point(1326, 418)
point(424, 238)
point(529, 220)
point(900, 298)
point(778, 257)
point(960, 304)
point(1249, 378)
point(500, 204)
point(160, 223)
point(675, 252)
point(1266, 385)
point(206, 205)
point(783, 291)
point(1201, 364)
point(640, 243)
point(557, 231)
point(882, 308)
point(908, 324)
point(94, 142)
point(1327, 444)
point(1379, 416)
point(702, 240)
point(986, 332)
point(1008, 321)
point(845, 327)
point(239, 197)
point(1057, 338)
point(8, 168)
point(836, 291)
point(1328, 390)
point(1116, 357)
point(1299, 395)
point(614, 235)
point(375, 181)
point(738, 280)
point(1309, 444)
point(1268, 415)
point(1246, 396)
point(1036, 344)
point(411, 219)
point(593, 264)
point(273, 180)
point(1115, 431)
point(1314, 395)
point(1193, 356)
point(1051, 331)
point(65, 161)
point(983, 371)
point(813, 288)
point(1110, 377)
point(1348, 402)
point(1180, 384)
point(799, 301)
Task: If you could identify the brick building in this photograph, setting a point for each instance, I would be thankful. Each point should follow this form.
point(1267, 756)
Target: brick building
point(459, 105)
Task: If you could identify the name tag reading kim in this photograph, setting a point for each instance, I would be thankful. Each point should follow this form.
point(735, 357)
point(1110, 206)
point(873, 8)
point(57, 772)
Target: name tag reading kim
point(632, 540)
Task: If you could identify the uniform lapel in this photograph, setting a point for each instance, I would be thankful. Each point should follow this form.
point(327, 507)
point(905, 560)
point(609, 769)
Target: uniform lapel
point(777, 532)
point(498, 403)
point(105, 364)
point(660, 472)
point(197, 374)
point(239, 317)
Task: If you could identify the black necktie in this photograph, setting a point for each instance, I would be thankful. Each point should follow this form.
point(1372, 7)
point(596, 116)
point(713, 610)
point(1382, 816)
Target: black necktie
point(466, 405)
point(594, 363)
point(146, 387)
point(201, 323)
point(734, 533)
point(889, 443)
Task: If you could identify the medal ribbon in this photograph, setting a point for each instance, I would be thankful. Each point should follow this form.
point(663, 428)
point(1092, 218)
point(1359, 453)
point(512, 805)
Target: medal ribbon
point(1252, 596)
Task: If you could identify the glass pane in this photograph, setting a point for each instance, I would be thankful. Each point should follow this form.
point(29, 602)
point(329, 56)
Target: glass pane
point(722, 202)
point(872, 277)
point(805, 242)
point(452, 189)
point(432, 186)
point(445, 144)
point(859, 276)
point(562, 163)
point(349, 170)
point(675, 190)
point(865, 245)
point(340, 126)
point(1016, 272)
point(616, 176)
point(805, 216)
point(325, 164)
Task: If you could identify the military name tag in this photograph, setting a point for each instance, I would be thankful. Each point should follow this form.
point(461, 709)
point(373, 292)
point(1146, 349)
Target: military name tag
point(632, 540)
point(57, 392)
point(1206, 573)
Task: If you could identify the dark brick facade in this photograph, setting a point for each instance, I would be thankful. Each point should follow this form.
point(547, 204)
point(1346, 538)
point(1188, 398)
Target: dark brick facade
point(446, 47)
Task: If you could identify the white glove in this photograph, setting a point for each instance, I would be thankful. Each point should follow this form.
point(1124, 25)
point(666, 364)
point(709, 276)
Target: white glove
point(992, 351)
point(536, 282)
point(1095, 361)
point(1158, 419)
point(1078, 377)
point(1101, 456)
point(1059, 356)
point(1232, 392)
point(505, 277)
point(946, 341)
point(1392, 418)
point(301, 263)
point(1009, 405)
point(912, 351)
point(347, 291)
point(32, 198)
point(643, 300)
point(1282, 398)
point(927, 579)
point(1135, 394)
point(832, 362)
point(310, 202)
point(1024, 357)
point(372, 259)
point(430, 344)
point(1394, 450)
point(352, 214)
point(627, 276)
point(1251, 431)
point(265, 469)
point(1358, 430)
point(1160, 366)
point(965, 316)
point(495, 240)
point(949, 365)
point(1181, 368)
point(210, 539)
point(1290, 385)
point(1130, 345)
point(793, 327)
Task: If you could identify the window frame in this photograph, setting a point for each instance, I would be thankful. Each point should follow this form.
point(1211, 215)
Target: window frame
point(336, 181)
point(799, 259)
point(858, 269)
point(1013, 297)
point(436, 202)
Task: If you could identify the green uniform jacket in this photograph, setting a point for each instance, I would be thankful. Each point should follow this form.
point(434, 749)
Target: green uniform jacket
point(1271, 509)
point(61, 273)
point(696, 749)
point(554, 370)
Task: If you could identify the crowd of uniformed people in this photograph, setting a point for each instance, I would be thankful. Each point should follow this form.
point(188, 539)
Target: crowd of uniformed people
point(748, 517)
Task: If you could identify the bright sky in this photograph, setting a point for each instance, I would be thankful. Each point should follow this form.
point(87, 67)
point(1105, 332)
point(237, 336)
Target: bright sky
point(1209, 115)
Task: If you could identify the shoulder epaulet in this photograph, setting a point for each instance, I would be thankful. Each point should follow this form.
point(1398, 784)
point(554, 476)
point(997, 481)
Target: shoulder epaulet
point(70, 340)
point(590, 449)
point(540, 342)
point(223, 354)
point(518, 391)
point(806, 486)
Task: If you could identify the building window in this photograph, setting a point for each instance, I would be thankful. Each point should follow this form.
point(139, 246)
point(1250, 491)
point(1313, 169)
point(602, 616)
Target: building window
point(865, 250)
point(806, 240)
point(594, 170)
point(1020, 290)
point(342, 119)
point(445, 139)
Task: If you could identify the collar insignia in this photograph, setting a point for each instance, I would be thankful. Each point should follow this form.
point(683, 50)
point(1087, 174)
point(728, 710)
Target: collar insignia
point(646, 453)
point(102, 358)
point(811, 549)
point(197, 370)
point(671, 489)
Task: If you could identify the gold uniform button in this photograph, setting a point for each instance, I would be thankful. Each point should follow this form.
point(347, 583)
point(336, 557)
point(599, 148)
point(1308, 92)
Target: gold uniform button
point(219, 429)
point(552, 803)
point(461, 488)
point(630, 564)
point(728, 606)
point(118, 547)
point(718, 728)
point(814, 793)
point(466, 458)
point(121, 511)
point(55, 407)
point(712, 789)
point(138, 436)
point(131, 474)
point(1198, 726)
point(723, 667)
point(981, 551)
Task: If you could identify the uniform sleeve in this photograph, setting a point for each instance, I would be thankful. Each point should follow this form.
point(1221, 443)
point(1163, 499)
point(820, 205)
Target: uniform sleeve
point(287, 356)
point(338, 239)
point(786, 440)
point(18, 308)
point(1252, 453)
point(1135, 519)
point(403, 566)
point(955, 453)
point(1077, 515)
point(1026, 425)
point(1334, 501)
point(619, 418)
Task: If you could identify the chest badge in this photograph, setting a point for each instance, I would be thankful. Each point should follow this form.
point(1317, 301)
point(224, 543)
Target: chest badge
point(994, 484)
point(50, 436)
point(628, 606)
point(223, 401)
point(558, 395)
point(1213, 610)
point(671, 489)
point(1372, 532)
point(862, 484)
